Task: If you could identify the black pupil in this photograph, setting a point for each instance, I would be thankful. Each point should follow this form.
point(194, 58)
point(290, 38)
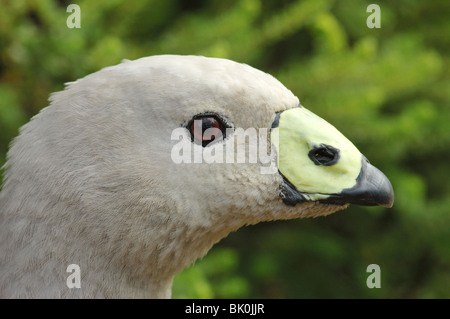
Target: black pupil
point(209, 123)
point(206, 129)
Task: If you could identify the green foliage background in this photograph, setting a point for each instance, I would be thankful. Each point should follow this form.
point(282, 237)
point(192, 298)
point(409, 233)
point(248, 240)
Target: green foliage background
point(387, 90)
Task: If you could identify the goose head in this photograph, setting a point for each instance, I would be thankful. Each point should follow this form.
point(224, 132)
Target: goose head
point(137, 170)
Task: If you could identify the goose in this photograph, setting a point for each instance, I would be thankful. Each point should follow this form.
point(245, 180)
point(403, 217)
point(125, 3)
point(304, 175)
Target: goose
point(108, 176)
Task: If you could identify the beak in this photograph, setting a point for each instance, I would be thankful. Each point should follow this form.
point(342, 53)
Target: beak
point(372, 188)
point(318, 163)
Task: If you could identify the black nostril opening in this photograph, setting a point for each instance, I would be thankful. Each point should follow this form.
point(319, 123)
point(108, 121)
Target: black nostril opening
point(325, 155)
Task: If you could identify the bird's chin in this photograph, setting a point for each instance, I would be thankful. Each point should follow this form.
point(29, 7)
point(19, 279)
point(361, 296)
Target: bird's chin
point(337, 206)
point(328, 208)
point(311, 209)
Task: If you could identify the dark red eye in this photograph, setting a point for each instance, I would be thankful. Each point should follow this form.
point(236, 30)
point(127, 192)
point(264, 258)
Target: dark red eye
point(205, 129)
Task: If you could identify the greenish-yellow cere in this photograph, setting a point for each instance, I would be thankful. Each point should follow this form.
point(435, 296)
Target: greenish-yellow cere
point(299, 131)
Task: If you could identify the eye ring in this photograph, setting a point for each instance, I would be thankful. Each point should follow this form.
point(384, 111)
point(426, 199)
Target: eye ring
point(206, 128)
point(324, 155)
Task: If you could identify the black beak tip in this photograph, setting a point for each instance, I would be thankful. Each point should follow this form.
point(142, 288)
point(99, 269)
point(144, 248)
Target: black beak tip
point(385, 197)
point(373, 188)
point(389, 199)
point(380, 188)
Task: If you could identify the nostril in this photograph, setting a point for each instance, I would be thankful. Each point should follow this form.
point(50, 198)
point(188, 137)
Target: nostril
point(325, 155)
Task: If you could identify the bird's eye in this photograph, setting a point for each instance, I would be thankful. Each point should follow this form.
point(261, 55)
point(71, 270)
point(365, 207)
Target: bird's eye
point(325, 155)
point(206, 128)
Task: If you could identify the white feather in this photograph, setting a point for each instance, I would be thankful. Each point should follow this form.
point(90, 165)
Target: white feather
point(90, 181)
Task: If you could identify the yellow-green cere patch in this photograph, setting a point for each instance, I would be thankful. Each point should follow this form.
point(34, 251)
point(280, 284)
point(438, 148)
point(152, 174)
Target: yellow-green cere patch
point(299, 131)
